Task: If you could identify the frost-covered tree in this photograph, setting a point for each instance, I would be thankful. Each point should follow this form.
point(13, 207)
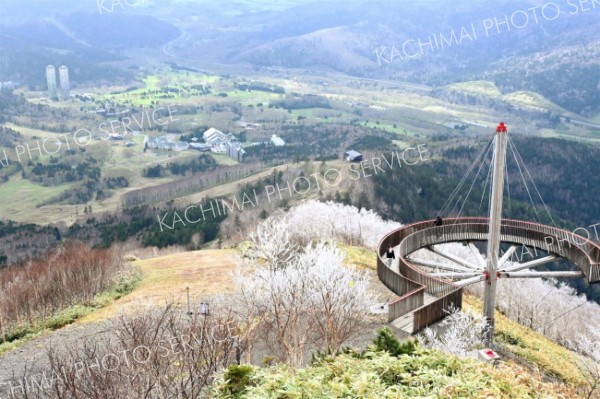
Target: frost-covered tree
point(339, 296)
point(272, 241)
point(556, 310)
point(313, 220)
point(544, 305)
point(313, 299)
point(280, 300)
point(461, 332)
point(588, 363)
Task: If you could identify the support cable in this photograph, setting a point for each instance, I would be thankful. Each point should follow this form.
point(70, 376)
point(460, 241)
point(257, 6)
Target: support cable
point(511, 146)
point(485, 186)
point(534, 185)
point(471, 188)
point(448, 202)
point(508, 186)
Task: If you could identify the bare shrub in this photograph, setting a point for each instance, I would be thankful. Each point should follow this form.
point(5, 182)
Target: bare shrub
point(161, 353)
point(72, 274)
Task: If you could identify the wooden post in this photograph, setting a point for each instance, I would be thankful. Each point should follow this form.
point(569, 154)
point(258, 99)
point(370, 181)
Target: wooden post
point(493, 249)
point(189, 305)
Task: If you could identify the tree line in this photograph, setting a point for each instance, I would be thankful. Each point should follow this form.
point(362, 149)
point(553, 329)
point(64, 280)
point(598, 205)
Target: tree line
point(203, 163)
point(191, 184)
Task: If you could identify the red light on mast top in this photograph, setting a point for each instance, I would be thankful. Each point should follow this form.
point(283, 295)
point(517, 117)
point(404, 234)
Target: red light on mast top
point(501, 128)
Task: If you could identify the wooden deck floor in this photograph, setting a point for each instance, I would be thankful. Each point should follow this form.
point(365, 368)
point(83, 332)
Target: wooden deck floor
point(405, 323)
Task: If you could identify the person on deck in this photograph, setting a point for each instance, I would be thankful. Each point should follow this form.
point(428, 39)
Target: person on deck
point(390, 255)
point(438, 223)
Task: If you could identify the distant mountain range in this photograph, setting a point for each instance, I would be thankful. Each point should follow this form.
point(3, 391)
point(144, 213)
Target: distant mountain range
point(433, 42)
point(85, 42)
point(547, 47)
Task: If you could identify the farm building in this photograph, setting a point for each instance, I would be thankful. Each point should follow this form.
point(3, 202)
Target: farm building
point(353, 156)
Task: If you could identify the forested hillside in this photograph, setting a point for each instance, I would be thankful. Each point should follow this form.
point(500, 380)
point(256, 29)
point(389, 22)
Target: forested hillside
point(28, 241)
point(563, 171)
point(569, 77)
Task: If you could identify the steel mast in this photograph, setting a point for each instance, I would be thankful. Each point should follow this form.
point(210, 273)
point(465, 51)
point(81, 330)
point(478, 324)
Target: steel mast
point(493, 249)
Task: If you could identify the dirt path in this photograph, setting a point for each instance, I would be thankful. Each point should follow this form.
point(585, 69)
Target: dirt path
point(14, 364)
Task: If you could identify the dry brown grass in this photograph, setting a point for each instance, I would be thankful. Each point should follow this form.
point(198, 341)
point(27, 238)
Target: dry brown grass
point(165, 279)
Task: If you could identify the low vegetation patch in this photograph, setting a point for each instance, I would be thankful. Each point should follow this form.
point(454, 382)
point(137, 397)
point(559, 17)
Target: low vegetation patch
point(379, 374)
point(362, 257)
